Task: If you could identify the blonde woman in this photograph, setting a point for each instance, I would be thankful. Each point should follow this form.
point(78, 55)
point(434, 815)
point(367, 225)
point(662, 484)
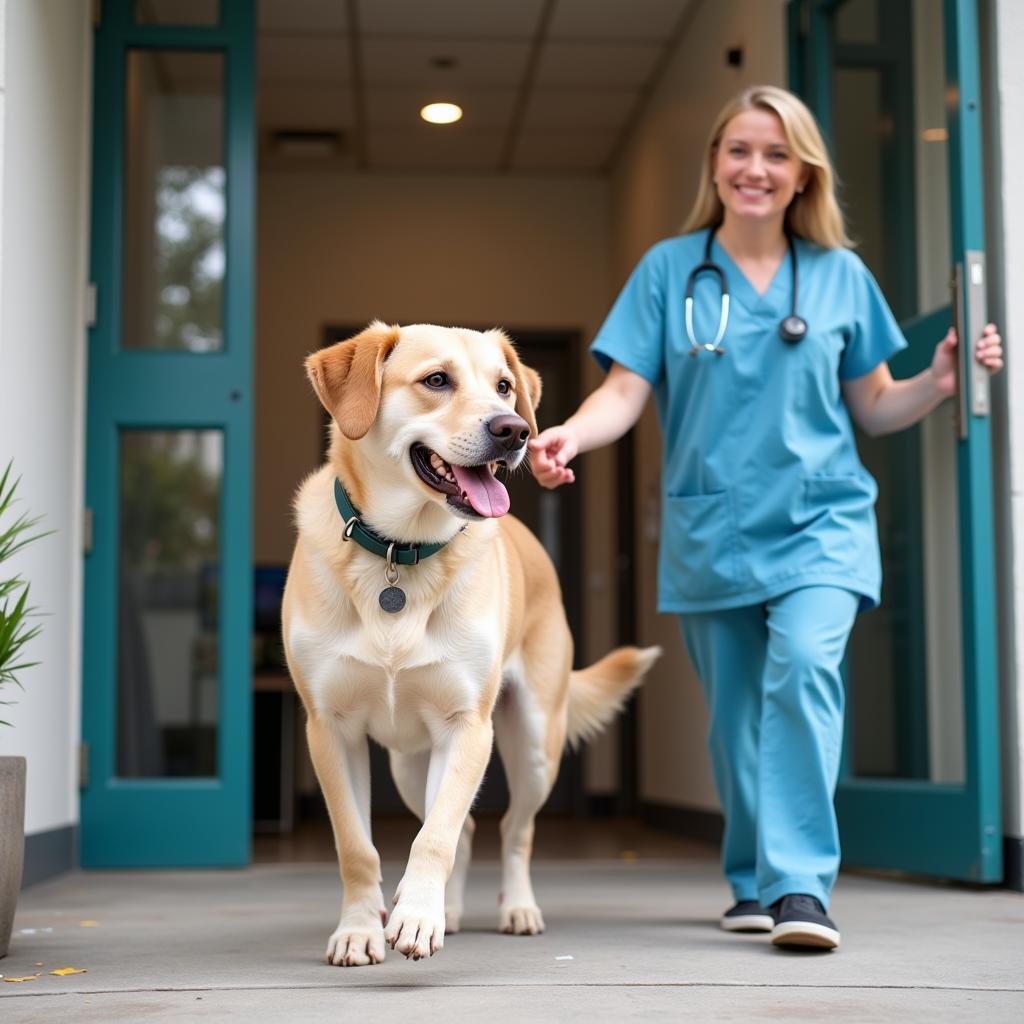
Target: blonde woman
point(769, 545)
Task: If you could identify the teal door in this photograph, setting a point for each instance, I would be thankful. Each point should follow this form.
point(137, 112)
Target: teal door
point(168, 579)
point(895, 86)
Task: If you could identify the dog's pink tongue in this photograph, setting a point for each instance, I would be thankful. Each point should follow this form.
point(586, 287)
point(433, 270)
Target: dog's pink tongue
point(487, 495)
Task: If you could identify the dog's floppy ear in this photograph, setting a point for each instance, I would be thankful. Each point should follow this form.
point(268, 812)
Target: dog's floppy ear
point(528, 386)
point(347, 376)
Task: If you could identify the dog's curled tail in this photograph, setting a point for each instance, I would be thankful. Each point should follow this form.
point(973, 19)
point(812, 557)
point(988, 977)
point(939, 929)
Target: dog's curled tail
point(597, 693)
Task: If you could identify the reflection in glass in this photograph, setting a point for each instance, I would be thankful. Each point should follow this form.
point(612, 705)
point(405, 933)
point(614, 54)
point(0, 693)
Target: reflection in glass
point(904, 667)
point(175, 201)
point(177, 12)
point(168, 610)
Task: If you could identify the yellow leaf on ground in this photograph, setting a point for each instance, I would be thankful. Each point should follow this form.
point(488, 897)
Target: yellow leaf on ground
point(28, 977)
point(88, 924)
point(61, 971)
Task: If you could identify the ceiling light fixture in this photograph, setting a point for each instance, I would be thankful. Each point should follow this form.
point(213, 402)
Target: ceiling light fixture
point(441, 113)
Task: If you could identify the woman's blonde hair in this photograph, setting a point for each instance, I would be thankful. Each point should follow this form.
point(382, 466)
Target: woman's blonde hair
point(813, 214)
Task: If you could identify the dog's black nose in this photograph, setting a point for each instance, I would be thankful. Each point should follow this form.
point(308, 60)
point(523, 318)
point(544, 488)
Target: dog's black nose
point(509, 431)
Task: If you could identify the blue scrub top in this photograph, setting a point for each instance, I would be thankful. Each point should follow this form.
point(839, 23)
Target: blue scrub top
point(762, 487)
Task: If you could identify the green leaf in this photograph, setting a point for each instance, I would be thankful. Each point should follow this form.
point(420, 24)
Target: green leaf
point(15, 629)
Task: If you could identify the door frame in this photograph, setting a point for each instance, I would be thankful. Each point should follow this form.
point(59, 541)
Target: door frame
point(172, 821)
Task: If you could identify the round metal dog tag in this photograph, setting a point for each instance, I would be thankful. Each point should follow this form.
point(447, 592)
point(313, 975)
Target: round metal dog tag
point(392, 599)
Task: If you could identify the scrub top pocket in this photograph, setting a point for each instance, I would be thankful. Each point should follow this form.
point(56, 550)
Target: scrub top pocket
point(843, 509)
point(698, 545)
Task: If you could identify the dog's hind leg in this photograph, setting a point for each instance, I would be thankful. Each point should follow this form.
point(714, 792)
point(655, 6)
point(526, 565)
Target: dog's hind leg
point(410, 774)
point(530, 741)
point(343, 768)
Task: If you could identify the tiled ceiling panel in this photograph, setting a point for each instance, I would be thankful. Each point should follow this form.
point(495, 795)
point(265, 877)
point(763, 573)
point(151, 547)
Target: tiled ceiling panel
point(583, 108)
point(482, 19)
point(297, 107)
point(389, 61)
point(545, 85)
point(597, 64)
point(298, 58)
point(303, 15)
point(647, 20)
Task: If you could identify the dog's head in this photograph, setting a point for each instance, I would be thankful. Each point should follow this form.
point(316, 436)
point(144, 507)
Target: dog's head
point(442, 407)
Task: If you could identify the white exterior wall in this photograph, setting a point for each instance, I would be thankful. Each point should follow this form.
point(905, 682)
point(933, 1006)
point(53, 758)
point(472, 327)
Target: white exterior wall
point(46, 109)
point(1005, 74)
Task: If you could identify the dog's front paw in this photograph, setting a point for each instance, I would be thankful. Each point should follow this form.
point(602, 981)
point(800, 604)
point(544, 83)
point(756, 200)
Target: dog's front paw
point(356, 942)
point(523, 920)
point(417, 924)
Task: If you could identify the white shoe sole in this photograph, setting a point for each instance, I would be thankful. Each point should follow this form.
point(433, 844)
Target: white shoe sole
point(804, 933)
point(747, 923)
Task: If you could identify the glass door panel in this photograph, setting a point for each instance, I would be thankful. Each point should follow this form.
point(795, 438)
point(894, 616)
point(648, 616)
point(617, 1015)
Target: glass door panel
point(174, 201)
point(168, 625)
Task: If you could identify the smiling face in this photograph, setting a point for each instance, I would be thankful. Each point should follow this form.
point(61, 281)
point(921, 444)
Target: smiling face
point(428, 413)
point(449, 404)
point(755, 170)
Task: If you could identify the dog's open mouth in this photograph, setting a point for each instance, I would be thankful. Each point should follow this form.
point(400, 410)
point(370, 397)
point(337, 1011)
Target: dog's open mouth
point(471, 490)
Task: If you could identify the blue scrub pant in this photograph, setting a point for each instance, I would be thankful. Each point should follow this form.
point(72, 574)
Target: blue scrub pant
point(771, 675)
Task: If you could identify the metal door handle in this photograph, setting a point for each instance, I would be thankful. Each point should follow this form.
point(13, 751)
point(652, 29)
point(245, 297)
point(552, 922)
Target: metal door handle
point(971, 376)
point(977, 318)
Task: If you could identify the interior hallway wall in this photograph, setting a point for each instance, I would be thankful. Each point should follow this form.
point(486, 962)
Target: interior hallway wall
point(653, 187)
point(45, 105)
point(477, 251)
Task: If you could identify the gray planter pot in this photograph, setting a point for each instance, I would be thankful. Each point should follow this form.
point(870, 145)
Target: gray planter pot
point(12, 842)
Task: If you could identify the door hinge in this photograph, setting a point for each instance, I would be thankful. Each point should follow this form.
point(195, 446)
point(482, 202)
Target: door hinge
point(90, 305)
point(86, 530)
point(83, 765)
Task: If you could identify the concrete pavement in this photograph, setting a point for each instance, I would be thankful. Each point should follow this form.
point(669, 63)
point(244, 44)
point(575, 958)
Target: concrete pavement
point(625, 939)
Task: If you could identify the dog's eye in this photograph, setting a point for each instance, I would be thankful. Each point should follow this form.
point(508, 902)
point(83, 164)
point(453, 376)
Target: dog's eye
point(504, 387)
point(436, 380)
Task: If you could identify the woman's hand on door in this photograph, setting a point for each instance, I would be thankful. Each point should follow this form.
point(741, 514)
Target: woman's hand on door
point(988, 351)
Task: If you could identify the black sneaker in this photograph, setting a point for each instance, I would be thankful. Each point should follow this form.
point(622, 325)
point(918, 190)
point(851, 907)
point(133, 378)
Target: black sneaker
point(800, 920)
point(747, 916)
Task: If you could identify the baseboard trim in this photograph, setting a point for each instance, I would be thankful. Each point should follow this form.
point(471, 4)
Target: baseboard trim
point(706, 826)
point(48, 854)
point(1013, 863)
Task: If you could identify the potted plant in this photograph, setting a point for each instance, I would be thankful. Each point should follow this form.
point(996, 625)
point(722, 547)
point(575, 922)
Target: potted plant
point(15, 633)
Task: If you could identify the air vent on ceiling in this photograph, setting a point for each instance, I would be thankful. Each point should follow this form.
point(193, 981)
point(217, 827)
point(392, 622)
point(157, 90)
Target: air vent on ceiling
point(307, 143)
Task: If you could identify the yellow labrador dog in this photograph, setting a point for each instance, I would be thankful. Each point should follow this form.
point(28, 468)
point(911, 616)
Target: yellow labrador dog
point(417, 613)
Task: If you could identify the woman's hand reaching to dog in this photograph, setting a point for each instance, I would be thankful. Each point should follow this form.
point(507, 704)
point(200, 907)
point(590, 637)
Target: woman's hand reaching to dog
point(550, 452)
point(603, 417)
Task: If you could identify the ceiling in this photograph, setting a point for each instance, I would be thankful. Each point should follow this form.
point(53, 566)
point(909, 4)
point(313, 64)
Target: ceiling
point(548, 86)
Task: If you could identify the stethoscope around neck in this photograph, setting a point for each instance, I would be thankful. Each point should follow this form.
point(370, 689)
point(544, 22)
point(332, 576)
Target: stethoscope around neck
point(793, 328)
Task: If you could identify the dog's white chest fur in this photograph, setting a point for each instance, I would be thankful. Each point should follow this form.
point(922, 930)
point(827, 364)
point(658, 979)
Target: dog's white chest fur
point(398, 677)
